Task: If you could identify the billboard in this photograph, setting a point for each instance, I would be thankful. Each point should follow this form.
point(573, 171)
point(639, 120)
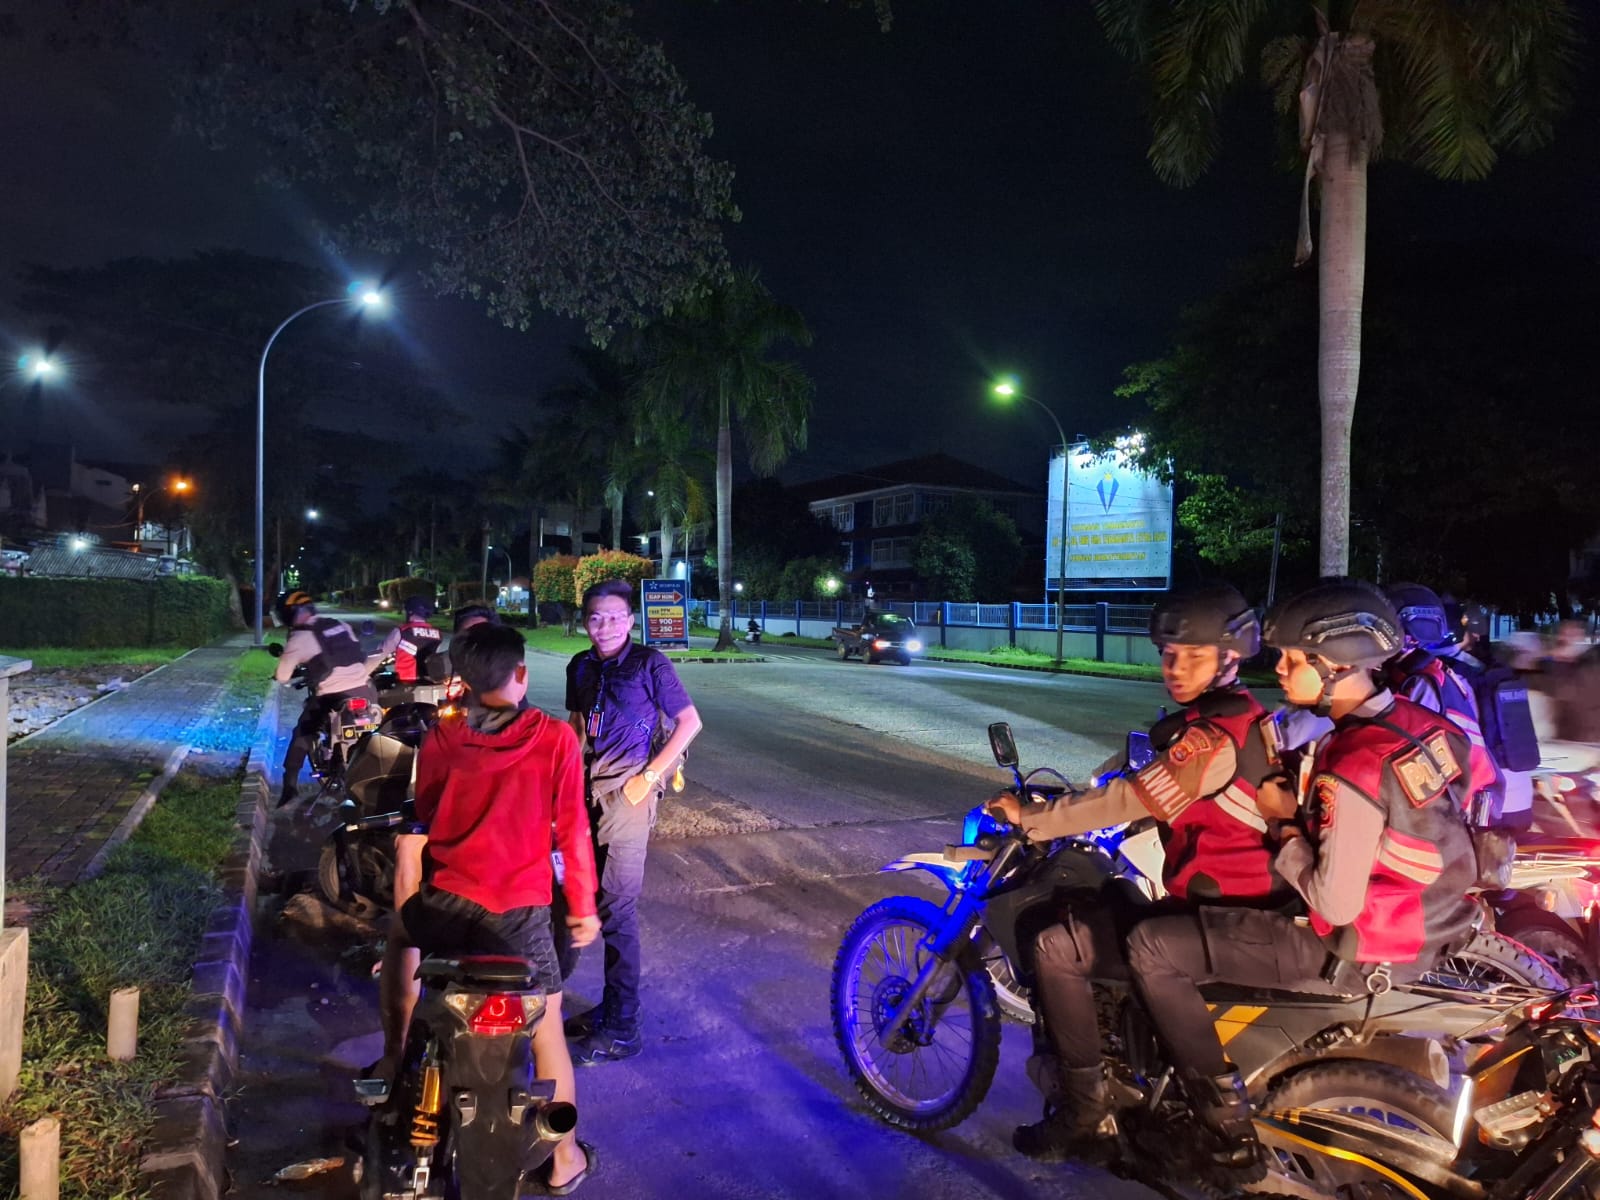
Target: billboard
point(1118, 523)
point(666, 612)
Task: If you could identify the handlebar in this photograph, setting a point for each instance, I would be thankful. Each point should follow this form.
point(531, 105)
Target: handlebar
point(388, 820)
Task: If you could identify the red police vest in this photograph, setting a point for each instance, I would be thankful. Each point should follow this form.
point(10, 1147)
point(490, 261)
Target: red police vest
point(1417, 894)
point(1420, 674)
point(418, 642)
point(1216, 844)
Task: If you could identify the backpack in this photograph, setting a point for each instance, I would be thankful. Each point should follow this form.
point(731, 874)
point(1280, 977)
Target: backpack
point(1503, 713)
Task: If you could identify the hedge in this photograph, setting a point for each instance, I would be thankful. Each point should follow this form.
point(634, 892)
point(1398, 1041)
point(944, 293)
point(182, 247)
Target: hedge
point(609, 564)
point(398, 591)
point(93, 613)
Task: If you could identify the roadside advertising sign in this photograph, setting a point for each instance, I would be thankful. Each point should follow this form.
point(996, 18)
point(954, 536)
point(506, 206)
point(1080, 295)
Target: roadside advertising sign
point(666, 612)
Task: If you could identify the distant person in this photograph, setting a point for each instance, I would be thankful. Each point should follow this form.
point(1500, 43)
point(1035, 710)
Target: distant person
point(335, 670)
point(1570, 677)
point(621, 698)
point(492, 783)
point(415, 642)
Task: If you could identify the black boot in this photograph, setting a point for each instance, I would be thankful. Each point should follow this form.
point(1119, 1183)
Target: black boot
point(1223, 1107)
point(1079, 1125)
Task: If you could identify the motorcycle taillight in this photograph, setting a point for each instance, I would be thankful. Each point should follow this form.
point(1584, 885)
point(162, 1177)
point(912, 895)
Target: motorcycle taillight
point(498, 1014)
point(356, 704)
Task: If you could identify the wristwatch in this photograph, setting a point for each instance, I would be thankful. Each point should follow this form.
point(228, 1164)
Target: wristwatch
point(650, 776)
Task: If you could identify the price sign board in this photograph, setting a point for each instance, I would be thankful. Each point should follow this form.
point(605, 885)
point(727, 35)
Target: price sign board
point(666, 612)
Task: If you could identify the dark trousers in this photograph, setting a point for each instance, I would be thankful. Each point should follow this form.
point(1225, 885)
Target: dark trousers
point(1087, 945)
point(312, 718)
point(1170, 957)
point(621, 837)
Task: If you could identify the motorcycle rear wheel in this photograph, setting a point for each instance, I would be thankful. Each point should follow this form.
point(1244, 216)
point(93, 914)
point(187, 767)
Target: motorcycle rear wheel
point(1492, 962)
point(951, 1043)
point(1553, 940)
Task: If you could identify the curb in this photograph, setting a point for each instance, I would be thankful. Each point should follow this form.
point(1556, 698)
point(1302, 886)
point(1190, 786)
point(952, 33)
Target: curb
point(186, 1155)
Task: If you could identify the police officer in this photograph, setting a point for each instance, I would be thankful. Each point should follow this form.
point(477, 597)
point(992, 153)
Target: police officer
point(1202, 787)
point(335, 669)
point(414, 642)
point(1380, 855)
point(1429, 674)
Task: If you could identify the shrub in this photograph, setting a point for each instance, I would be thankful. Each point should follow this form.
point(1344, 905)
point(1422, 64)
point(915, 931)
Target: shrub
point(609, 564)
point(553, 579)
point(175, 611)
point(398, 591)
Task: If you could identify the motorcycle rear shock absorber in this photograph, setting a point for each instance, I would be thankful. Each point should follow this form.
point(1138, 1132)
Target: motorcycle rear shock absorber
point(425, 1118)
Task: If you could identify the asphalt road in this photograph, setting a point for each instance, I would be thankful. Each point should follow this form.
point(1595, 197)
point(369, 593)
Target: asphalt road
point(810, 774)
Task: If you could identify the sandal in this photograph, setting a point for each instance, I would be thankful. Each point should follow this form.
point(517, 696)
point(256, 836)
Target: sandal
point(591, 1164)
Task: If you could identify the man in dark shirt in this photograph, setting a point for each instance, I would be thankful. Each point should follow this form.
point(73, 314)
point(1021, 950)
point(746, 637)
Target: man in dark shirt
point(620, 698)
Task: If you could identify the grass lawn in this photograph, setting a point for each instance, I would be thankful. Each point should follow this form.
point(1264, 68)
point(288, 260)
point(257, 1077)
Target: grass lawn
point(138, 924)
point(46, 658)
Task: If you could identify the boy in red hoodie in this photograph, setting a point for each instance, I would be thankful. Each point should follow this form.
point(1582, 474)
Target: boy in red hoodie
point(490, 783)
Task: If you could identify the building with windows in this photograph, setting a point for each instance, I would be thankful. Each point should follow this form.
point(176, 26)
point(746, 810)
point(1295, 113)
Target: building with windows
point(878, 512)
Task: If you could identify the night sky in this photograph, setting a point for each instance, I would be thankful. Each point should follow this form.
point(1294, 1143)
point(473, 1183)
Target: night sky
point(960, 196)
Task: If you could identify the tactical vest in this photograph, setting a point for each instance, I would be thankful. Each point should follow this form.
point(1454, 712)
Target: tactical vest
point(337, 646)
point(419, 641)
point(1420, 673)
point(1216, 845)
point(1417, 902)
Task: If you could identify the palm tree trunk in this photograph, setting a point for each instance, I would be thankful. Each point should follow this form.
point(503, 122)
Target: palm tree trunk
point(1340, 283)
point(725, 525)
point(616, 520)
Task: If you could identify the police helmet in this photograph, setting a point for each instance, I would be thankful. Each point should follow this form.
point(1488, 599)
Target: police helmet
point(1421, 612)
point(418, 607)
point(1466, 618)
point(1345, 622)
point(290, 601)
point(1215, 615)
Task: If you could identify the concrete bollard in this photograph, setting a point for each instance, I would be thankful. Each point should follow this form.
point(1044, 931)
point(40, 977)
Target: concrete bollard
point(40, 1151)
point(122, 1030)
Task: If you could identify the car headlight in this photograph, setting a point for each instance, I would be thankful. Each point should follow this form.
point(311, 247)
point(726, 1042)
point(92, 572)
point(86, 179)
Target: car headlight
point(913, 645)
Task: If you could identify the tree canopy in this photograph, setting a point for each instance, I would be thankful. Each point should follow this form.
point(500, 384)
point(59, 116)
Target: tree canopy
point(1472, 463)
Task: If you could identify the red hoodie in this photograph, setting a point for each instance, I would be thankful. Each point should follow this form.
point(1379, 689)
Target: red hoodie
point(489, 799)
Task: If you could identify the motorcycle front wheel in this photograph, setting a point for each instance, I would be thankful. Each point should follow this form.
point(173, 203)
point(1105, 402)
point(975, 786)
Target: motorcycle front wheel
point(1377, 1092)
point(935, 1068)
point(375, 871)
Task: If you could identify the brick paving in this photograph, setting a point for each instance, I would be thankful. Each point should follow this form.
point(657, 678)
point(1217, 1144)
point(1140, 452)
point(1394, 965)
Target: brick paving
point(74, 783)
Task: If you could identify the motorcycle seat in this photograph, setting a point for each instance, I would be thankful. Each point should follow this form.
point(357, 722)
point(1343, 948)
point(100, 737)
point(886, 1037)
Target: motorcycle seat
point(498, 970)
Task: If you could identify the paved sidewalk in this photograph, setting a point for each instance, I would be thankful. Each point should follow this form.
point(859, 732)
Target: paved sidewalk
point(75, 784)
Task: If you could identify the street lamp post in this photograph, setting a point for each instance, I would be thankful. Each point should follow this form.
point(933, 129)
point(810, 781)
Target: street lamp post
point(367, 298)
point(1006, 389)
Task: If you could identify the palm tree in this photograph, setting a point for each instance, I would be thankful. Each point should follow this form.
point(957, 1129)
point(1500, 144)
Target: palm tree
point(710, 361)
point(673, 477)
point(1441, 84)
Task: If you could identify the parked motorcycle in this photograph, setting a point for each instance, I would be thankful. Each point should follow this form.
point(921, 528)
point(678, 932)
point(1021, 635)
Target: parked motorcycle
point(1551, 903)
point(917, 1018)
point(465, 1118)
point(355, 869)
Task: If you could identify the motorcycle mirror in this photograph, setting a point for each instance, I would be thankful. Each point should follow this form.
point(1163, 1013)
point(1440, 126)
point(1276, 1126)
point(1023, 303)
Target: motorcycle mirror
point(274, 648)
point(1141, 752)
point(1003, 744)
point(368, 628)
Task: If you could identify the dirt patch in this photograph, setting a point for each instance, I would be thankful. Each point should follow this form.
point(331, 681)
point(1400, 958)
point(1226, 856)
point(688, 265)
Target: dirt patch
point(40, 697)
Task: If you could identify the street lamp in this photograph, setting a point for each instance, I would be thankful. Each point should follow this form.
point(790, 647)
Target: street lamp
point(38, 366)
point(312, 514)
point(507, 555)
point(1006, 389)
point(358, 294)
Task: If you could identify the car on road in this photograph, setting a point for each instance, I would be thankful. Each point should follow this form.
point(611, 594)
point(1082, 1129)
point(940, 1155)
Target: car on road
point(881, 635)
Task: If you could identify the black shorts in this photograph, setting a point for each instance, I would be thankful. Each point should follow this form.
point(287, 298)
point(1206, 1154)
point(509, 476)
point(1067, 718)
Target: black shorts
point(447, 925)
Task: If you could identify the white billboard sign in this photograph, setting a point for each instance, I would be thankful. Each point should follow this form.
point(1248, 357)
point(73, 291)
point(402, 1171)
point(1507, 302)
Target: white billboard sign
point(1118, 524)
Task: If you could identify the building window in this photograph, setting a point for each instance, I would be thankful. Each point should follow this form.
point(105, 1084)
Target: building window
point(934, 504)
point(891, 552)
point(898, 509)
point(844, 517)
point(847, 551)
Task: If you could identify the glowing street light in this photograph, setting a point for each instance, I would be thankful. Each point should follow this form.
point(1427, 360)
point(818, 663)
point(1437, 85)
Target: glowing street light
point(363, 295)
point(38, 366)
point(182, 486)
point(830, 585)
point(1006, 389)
point(312, 514)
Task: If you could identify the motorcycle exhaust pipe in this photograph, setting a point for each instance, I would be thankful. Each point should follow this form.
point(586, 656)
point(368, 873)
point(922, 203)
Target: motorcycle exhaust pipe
point(553, 1120)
